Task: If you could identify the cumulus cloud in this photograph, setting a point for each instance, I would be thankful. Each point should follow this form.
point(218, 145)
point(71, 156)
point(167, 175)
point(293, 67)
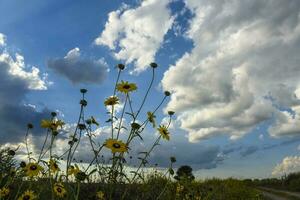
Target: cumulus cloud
point(78, 69)
point(288, 165)
point(136, 34)
point(15, 83)
point(242, 70)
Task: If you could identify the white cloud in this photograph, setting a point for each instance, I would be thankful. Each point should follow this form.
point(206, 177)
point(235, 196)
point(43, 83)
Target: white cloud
point(239, 57)
point(2, 40)
point(288, 165)
point(136, 34)
point(17, 69)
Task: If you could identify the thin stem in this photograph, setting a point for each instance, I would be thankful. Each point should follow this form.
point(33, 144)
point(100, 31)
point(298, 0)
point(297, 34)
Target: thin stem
point(122, 115)
point(145, 97)
point(112, 107)
point(44, 144)
point(26, 143)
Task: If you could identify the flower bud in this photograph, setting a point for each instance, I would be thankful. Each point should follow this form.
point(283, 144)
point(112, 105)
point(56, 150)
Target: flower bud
point(153, 65)
point(167, 93)
point(83, 91)
point(83, 102)
point(121, 66)
point(171, 113)
point(29, 125)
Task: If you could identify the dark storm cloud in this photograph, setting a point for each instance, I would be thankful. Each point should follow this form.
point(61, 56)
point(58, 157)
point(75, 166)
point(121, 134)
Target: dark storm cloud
point(14, 115)
point(79, 70)
point(249, 150)
point(197, 156)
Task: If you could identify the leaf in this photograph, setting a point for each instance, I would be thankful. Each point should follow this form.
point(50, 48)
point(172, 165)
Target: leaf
point(93, 171)
point(128, 113)
point(136, 134)
point(109, 120)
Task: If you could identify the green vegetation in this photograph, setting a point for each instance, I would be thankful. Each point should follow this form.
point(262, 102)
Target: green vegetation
point(43, 176)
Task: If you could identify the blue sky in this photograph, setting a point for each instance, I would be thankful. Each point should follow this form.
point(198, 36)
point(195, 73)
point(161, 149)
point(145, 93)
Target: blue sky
point(231, 66)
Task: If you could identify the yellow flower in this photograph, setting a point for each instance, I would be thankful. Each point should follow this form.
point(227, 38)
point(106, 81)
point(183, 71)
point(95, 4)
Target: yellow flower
point(179, 189)
point(197, 197)
point(27, 195)
point(100, 195)
point(110, 101)
point(53, 125)
point(116, 145)
point(4, 191)
point(33, 169)
point(151, 118)
point(53, 166)
point(59, 190)
point(163, 131)
point(126, 87)
point(73, 170)
point(46, 123)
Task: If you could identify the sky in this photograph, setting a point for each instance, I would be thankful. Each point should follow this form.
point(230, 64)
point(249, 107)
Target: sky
point(232, 68)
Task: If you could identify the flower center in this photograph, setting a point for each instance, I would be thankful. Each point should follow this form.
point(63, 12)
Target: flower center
point(126, 87)
point(26, 197)
point(59, 190)
point(116, 145)
point(33, 167)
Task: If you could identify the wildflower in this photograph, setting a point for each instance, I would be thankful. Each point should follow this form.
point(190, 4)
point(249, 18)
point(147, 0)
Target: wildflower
point(53, 166)
point(126, 87)
point(83, 102)
point(53, 125)
point(11, 152)
point(27, 195)
point(22, 164)
point(151, 118)
point(54, 133)
point(46, 123)
point(167, 93)
point(115, 145)
point(29, 126)
point(81, 176)
point(12, 171)
point(56, 124)
point(171, 113)
point(198, 197)
point(153, 65)
point(100, 195)
point(53, 114)
point(59, 190)
point(163, 131)
point(173, 159)
point(111, 101)
point(121, 66)
point(4, 192)
point(179, 189)
point(33, 169)
point(135, 126)
point(73, 170)
point(83, 90)
point(81, 126)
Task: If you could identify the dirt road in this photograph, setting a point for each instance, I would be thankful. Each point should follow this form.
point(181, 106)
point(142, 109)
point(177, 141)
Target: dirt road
point(275, 194)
